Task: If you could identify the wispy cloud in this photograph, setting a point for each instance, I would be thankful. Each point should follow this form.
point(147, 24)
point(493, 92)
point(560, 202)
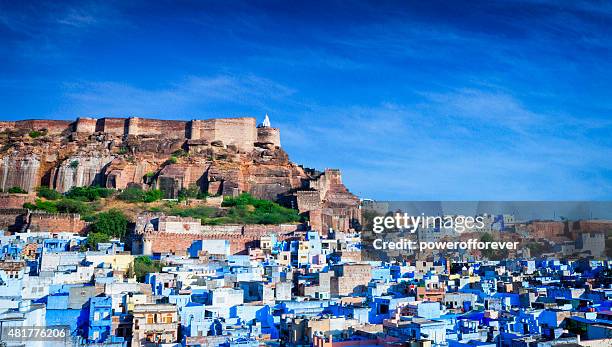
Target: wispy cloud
point(486, 151)
point(192, 96)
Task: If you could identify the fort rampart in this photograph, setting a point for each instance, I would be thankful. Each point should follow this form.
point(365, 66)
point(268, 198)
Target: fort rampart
point(241, 132)
point(57, 222)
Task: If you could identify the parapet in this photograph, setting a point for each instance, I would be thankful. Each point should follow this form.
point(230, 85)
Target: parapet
point(53, 127)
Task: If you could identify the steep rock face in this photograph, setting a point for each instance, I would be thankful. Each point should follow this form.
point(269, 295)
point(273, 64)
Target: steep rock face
point(220, 157)
point(120, 172)
point(271, 174)
point(188, 174)
point(79, 171)
point(19, 171)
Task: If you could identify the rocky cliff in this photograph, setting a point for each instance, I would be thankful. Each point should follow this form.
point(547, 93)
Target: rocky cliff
point(219, 157)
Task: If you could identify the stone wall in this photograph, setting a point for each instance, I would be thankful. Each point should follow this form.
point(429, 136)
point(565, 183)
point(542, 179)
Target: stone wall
point(15, 200)
point(546, 229)
point(329, 204)
point(241, 132)
point(179, 243)
point(595, 225)
point(57, 223)
point(114, 126)
point(54, 127)
point(171, 234)
point(169, 129)
point(308, 200)
point(85, 125)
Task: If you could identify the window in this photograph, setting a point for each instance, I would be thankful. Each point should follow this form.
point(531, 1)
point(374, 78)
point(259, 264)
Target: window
point(383, 309)
point(149, 319)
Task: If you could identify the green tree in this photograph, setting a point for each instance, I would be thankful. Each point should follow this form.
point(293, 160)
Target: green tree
point(153, 195)
point(112, 223)
point(144, 265)
point(94, 238)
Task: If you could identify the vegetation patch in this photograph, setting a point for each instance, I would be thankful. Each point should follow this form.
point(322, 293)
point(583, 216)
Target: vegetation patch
point(48, 193)
point(144, 265)
point(105, 226)
point(17, 190)
point(136, 194)
point(89, 193)
point(37, 133)
point(244, 209)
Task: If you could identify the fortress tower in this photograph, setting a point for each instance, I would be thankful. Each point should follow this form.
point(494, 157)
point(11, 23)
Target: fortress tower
point(266, 134)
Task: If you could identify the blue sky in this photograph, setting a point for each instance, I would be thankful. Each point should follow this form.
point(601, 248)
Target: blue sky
point(417, 100)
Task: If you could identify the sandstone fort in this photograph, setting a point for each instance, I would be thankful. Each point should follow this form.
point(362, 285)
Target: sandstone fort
point(219, 157)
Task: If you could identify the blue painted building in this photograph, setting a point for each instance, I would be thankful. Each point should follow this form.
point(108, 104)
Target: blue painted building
point(100, 319)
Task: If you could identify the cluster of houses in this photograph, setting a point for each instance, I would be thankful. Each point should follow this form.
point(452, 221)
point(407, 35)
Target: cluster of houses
point(306, 291)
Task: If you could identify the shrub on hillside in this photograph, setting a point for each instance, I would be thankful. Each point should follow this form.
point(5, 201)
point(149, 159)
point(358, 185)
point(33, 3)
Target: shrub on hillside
point(135, 194)
point(153, 195)
point(17, 190)
point(247, 209)
point(89, 193)
point(73, 206)
point(48, 193)
point(35, 133)
point(39, 205)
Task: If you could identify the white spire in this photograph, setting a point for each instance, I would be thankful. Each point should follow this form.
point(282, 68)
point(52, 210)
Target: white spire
point(266, 121)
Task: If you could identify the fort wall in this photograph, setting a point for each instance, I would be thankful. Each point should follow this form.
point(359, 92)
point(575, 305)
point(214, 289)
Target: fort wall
point(8, 200)
point(85, 125)
point(57, 223)
point(114, 126)
point(169, 129)
point(175, 235)
point(308, 200)
point(241, 132)
point(54, 127)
